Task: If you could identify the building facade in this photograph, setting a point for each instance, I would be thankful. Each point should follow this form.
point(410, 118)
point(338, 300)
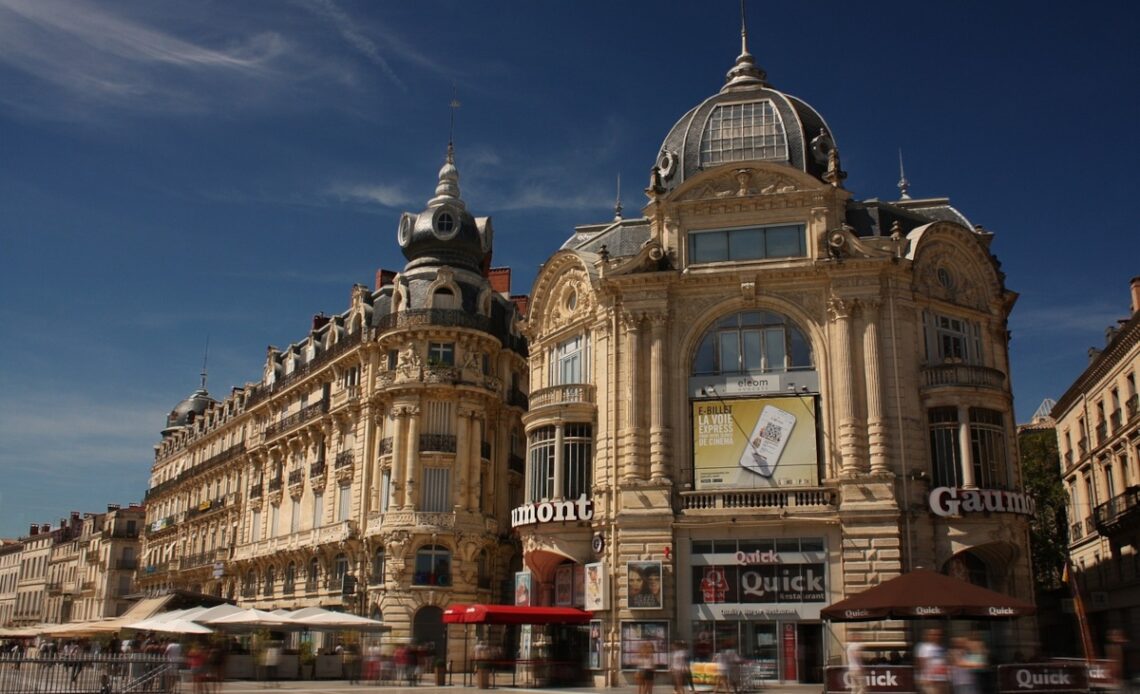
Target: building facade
point(762, 396)
point(370, 467)
point(1098, 436)
point(10, 551)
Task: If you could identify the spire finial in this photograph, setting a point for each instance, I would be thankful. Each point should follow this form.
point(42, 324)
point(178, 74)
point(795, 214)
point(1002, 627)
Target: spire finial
point(205, 359)
point(448, 186)
point(454, 106)
point(745, 72)
point(617, 204)
point(743, 31)
point(904, 185)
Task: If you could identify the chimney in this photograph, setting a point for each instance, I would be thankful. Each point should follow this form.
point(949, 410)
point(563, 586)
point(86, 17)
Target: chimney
point(500, 278)
point(522, 303)
point(1135, 286)
point(33, 530)
point(319, 321)
point(1093, 354)
point(112, 507)
point(385, 277)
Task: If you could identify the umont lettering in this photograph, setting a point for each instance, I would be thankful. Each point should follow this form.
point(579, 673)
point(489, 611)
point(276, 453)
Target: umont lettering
point(757, 557)
point(1028, 679)
point(952, 501)
point(580, 509)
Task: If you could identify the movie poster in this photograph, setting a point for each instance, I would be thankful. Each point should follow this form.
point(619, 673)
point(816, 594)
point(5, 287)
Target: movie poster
point(523, 587)
point(644, 585)
point(596, 588)
point(564, 585)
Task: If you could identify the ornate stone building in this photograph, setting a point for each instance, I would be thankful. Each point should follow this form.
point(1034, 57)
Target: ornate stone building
point(1098, 437)
point(370, 467)
point(764, 395)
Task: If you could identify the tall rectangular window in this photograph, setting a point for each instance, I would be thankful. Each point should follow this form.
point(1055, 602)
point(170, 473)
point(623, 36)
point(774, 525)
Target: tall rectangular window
point(436, 490)
point(945, 456)
point(577, 460)
point(987, 443)
point(541, 472)
point(385, 490)
point(318, 509)
point(295, 516)
point(344, 502)
point(274, 514)
point(569, 358)
point(255, 526)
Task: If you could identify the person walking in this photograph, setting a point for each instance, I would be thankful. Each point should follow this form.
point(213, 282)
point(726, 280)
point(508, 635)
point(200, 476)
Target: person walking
point(930, 663)
point(646, 667)
point(680, 668)
point(855, 672)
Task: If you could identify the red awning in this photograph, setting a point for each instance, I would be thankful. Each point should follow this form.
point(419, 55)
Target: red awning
point(455, 612)
point(518, 614)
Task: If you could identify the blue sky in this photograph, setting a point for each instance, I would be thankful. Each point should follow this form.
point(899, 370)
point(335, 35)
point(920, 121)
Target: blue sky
point(172, 172)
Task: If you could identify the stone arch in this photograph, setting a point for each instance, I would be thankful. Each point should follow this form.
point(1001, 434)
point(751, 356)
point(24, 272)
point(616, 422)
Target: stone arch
point(428, 629)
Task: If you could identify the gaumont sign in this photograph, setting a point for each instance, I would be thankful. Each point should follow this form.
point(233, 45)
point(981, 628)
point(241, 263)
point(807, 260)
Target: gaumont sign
point(953, 501)
point(885, 678)
point(580, 509)
point(1043, 677)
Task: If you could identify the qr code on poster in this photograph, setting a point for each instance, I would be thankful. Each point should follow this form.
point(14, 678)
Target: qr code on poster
point(772, 432)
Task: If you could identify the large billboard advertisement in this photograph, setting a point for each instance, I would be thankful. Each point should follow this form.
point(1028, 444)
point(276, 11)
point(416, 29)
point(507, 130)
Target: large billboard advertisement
point(755, 443)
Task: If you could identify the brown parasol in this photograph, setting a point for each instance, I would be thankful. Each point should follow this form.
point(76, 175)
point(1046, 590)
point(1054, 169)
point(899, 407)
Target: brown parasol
point(923, 594)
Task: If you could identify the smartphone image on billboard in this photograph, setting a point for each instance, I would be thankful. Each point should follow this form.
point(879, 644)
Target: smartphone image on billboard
point(766, 444)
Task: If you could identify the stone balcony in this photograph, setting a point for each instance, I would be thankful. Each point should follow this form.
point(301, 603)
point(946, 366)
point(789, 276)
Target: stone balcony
point(953, 375)
point(429, 522)
point(763, 502)
point(557, 402)
point(335, 532)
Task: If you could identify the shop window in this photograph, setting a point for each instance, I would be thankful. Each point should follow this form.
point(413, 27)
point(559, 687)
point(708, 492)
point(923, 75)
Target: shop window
point(752, 342)
point(433, 567)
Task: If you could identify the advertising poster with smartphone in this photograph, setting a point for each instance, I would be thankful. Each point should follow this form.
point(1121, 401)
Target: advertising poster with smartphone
point(755, 443)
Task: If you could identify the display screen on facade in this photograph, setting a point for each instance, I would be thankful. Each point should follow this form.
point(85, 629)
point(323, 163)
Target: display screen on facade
point(755, 443)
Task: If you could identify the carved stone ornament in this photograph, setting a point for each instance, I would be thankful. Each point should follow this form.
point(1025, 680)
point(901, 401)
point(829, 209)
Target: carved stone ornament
point(742, 183)
point(945, 272)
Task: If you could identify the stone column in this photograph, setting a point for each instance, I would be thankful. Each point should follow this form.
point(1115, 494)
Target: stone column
point(462, 465)
point(840, 310)
point(475, 463)
point(876, 422)
point(631, 468)
point(659, 415)
point(398, 433)
point(965, 450)
point(559, 489)
point(411, 459)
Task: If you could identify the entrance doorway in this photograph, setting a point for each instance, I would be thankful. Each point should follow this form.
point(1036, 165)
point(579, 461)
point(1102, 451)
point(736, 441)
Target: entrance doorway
point(809, 654)
point(428, 630)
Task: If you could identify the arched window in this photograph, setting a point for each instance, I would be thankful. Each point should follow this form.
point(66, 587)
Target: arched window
point(290, 578)
point(313, 574)
point(484, 571)
point(270, 581)
point(340, 570)
point(249, 588)
point(751, 342)
point(433, 566)
point(444, 298)
point(740, 132)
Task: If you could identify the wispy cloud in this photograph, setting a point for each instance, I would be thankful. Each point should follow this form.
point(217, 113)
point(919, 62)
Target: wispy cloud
point(378, 193)
point(89, 53)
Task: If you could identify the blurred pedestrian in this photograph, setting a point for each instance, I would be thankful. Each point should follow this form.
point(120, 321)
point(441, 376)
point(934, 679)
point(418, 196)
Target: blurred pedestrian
point(855, 672)
point(646, 666)
point(930, 663)
point(680, 668)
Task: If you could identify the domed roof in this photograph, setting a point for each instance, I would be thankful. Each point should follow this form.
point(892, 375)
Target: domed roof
point(186, 411)
point(445, 233)
point(747, 120)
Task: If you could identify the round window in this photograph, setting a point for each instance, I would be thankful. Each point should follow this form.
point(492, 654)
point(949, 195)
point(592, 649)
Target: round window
point(572, 300)
point(446, 224)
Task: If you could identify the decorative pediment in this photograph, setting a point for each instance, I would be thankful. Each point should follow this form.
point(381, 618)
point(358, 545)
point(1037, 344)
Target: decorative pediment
point(742, 183)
